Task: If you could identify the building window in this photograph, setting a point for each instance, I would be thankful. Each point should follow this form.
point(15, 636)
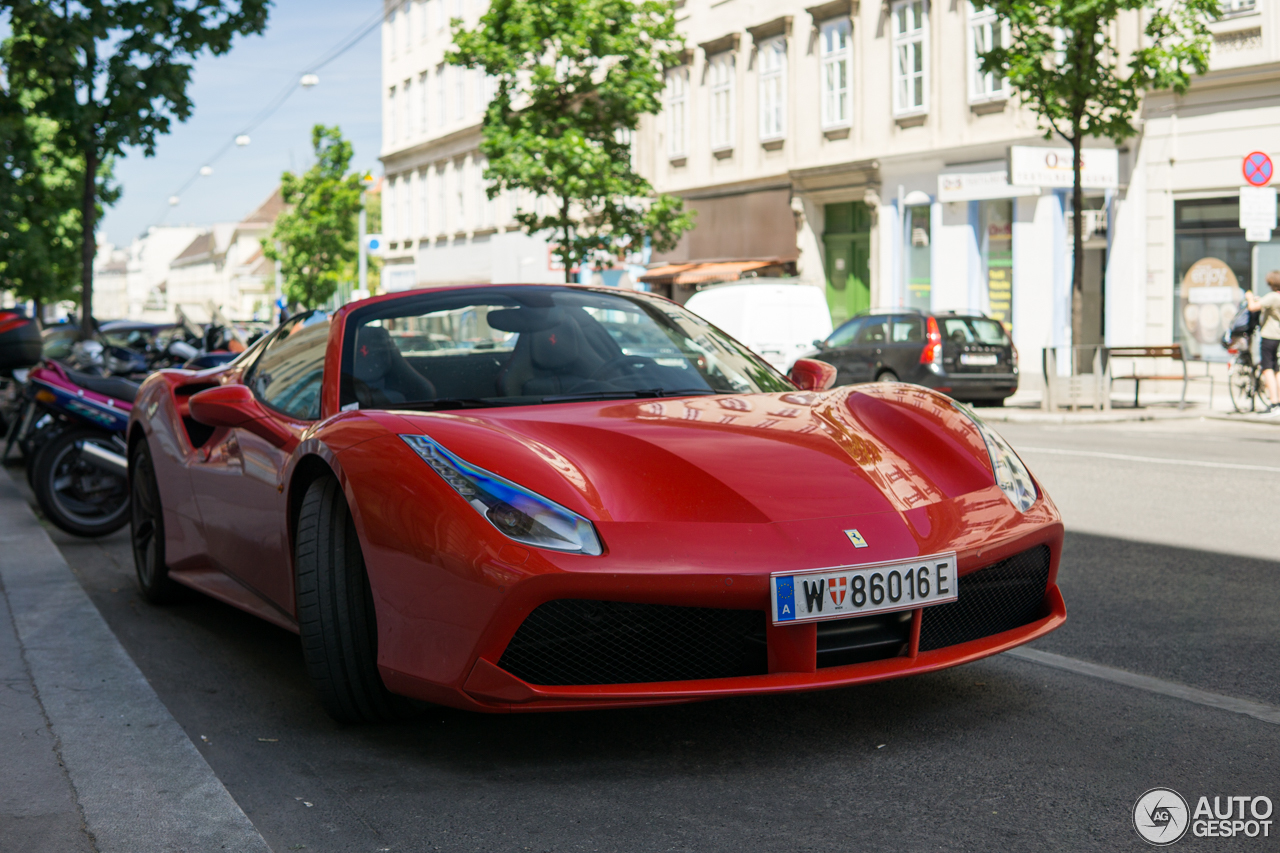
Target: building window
point(391, 114)
point(406, 114)
point(459, 93)
point(1227, 8)
point(423, 117)
point(677, 97)
point(910, 56)
point(722, 75)
point(442, 214)
point(835, 73)
point(424, 218)
point(392, 20)
point(389, 211)
point(403, 210)
point(985, 33)
point(460, 194)
point(773, 88)
point(484, 204)
point(441, 103)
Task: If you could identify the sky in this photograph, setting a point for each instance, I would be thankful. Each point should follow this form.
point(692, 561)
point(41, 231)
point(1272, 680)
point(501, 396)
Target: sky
point(229, 91)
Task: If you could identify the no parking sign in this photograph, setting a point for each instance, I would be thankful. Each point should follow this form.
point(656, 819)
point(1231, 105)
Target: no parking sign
point(1258, 169)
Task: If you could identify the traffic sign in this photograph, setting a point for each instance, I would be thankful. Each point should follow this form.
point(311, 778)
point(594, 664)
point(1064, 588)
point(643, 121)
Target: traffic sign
point(1258, 169)
point(1258, 213)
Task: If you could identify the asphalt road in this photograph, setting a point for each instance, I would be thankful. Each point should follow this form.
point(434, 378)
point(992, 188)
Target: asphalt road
point(1170, 570)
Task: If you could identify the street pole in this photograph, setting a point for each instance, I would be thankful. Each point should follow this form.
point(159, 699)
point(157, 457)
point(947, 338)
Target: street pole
point(364, 247)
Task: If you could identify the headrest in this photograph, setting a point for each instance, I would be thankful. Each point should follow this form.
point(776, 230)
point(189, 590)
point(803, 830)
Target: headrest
point(525, 319)
point(556, 347)
point(374, 353)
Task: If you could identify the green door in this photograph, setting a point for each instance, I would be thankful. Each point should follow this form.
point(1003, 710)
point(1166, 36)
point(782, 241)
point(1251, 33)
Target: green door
point(847, 241)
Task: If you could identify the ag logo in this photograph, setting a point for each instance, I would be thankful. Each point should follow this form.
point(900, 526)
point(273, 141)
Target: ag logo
point(1161, 816)
point(856, 538)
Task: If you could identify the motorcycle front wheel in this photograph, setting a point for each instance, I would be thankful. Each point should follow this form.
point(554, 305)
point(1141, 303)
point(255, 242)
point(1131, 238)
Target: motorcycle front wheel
point(76, 493)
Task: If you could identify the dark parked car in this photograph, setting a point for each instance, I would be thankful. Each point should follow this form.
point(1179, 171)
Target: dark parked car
point(968, 356)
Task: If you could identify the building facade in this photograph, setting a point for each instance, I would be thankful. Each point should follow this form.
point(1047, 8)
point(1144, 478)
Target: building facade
point(438, 223)
point(868, 143)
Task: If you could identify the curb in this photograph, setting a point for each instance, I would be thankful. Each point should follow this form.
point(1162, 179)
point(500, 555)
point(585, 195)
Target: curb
point(141, 783)
point(1088, 417)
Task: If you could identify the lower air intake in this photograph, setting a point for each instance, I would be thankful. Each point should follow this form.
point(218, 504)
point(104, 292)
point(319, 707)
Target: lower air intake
point(1000, 597)
point(572, 641)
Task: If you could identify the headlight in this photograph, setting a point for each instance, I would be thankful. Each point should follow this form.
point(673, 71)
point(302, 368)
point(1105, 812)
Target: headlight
point(517, 512)
point(1012, 476)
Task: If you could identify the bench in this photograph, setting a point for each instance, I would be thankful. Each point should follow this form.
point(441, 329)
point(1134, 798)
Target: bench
point(1173, 351)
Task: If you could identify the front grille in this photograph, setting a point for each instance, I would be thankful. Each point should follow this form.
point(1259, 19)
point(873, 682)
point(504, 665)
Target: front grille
point(1000, 597)
point(863, 638)
point(572, 641)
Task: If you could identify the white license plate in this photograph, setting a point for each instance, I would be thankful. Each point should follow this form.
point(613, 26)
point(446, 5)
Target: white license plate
point(859, 590)
point(979, 359)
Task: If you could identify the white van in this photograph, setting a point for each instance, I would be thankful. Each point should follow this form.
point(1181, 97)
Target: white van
point(777, 317)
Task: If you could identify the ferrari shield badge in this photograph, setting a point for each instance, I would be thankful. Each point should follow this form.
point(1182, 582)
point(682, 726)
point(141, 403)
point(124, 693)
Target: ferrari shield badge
point(856, 538)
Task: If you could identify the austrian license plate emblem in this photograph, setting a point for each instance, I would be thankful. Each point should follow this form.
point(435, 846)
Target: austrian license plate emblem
point(858, 590)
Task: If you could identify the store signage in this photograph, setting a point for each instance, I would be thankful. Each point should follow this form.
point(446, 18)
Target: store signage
point(1258, 213)
point(1209, 300)
point(975, 186)
point(1052, 167)
point(1258, 169)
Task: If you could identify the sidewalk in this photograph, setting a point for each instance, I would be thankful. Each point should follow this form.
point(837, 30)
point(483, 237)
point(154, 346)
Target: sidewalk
point(90, 759)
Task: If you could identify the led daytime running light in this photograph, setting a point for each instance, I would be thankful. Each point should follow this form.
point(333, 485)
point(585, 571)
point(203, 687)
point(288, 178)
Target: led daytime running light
point(515, 511)
point(1012, 475)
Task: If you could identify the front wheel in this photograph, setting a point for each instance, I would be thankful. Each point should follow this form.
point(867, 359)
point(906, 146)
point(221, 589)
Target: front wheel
point(1242, 385)
point(335, 611)
point(75, 493)
point(146, 529)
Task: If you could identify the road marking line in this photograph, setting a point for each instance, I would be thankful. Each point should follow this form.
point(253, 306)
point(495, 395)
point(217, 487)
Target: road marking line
point(1257, 710)
point(1194, 463)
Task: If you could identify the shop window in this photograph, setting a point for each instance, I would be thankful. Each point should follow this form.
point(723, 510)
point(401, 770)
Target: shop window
point(985, 33)
point(997, 259)
point(677, 97)
point(919, 258)
point(910, 56)
point(773, 88)
point(1212, 263)
point(835, 73)
point(722, 77)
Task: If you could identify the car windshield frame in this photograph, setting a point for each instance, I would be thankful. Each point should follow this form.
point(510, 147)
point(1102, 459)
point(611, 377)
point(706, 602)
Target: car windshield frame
point(709, 360)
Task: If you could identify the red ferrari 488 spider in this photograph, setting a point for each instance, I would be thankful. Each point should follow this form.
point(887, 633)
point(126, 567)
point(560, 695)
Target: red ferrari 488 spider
point(543, 497)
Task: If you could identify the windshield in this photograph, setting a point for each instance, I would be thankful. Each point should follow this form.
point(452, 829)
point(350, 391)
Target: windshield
point(538, 344)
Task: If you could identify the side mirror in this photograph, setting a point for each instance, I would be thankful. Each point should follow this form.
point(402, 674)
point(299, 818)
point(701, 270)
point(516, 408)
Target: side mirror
point(235, 406)
point(819, 343)
point(808, 375)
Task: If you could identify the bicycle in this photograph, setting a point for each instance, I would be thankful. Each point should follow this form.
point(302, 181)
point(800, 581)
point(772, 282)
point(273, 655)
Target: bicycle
point(1245, 380)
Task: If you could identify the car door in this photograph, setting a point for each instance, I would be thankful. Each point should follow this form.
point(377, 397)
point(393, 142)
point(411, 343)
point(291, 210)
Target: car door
point(868, 348)
point(240, 486)
point(837, 349)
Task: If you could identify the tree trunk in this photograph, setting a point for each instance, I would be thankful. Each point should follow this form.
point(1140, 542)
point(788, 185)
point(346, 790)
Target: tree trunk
point(564, 220)
point(1077, 259)
point(88, 245)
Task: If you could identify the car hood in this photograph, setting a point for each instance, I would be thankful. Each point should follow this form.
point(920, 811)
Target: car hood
point(735, 458)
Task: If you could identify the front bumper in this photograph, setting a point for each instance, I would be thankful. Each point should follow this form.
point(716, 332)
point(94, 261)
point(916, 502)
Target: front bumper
point(683, 574)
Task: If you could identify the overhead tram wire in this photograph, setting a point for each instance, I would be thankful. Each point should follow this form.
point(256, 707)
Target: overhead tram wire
point(278, 101)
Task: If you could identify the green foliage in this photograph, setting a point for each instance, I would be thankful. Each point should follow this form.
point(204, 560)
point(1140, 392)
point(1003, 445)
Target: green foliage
point(573, 79)
point(1065, 66)
point(317, 233)
point(113, 74)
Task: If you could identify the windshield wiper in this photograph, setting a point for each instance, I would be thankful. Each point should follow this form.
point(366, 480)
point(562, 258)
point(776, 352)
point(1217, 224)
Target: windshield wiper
point(447, 403)
point(628, 395)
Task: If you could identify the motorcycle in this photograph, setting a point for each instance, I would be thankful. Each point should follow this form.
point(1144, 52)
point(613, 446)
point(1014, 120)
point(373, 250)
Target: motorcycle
point(72, 433)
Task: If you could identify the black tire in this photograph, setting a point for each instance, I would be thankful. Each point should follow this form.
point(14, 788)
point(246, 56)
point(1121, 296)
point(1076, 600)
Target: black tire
point(146, 529)
point(335, 611)
point(886, 376)
point(1241, 384)
point(74, 494)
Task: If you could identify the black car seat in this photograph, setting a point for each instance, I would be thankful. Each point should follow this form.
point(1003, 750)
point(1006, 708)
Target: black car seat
point(548, 360)
point(382, 376)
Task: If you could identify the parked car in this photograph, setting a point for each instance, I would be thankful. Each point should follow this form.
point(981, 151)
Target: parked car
point(777, 317)
point(533, 519)
point(968, 356)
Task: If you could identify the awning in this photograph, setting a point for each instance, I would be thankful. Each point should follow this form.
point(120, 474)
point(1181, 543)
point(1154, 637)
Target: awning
point(700, 273)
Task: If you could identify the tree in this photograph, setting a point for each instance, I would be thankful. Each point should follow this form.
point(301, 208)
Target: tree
point(114, 74)
point(317, 233)
point(573, 79)
point(1062, 62)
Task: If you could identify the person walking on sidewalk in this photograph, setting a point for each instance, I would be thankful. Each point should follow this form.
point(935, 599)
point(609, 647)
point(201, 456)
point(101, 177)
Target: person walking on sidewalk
point(1269, 331)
